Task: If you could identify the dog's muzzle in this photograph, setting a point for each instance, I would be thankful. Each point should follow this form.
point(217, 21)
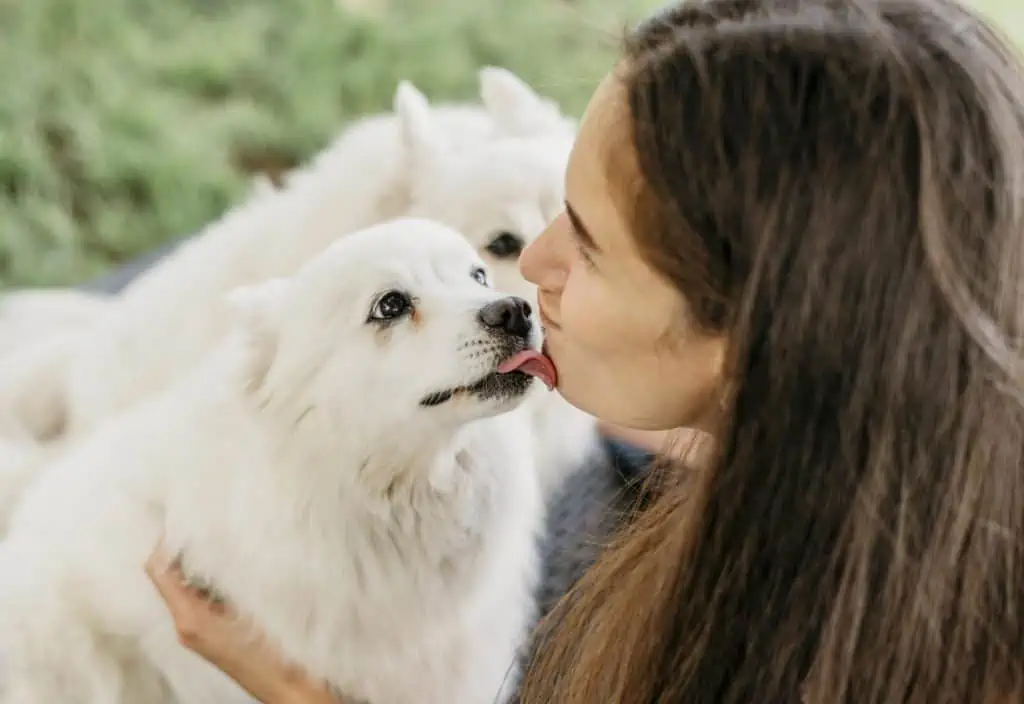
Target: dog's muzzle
point(510, 322)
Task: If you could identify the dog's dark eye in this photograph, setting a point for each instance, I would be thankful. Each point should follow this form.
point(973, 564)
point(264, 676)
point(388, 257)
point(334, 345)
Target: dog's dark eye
point(392, 305)
point(480, 276)
point(506, 245)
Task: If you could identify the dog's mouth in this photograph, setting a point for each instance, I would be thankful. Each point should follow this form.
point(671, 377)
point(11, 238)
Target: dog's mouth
point(513, 377)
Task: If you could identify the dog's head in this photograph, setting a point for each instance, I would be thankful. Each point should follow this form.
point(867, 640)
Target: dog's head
point(391, 329)
point(501, 193)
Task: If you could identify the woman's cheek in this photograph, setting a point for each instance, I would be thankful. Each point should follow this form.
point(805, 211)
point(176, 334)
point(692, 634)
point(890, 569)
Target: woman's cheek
point(585, 314)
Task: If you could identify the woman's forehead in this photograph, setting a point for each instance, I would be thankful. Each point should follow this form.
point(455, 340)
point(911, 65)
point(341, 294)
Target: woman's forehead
point(601, 168)
point(605, 122)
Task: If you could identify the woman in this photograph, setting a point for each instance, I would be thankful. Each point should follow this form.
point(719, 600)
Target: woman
point(795, 225)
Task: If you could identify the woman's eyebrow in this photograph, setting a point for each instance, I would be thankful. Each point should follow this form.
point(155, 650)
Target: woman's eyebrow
point(581, 231)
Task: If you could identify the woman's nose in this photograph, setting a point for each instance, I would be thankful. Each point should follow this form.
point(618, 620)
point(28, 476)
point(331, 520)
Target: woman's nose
point(543, 262)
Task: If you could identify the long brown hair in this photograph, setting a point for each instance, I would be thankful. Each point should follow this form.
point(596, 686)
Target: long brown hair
point(838, 186)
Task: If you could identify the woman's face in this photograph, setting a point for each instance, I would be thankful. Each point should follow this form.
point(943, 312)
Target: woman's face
point(616, 330)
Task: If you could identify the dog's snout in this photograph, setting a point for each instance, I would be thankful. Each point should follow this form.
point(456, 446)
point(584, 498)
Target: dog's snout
point(510, 315)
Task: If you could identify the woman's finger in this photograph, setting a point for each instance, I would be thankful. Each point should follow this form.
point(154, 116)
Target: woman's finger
point(211, 630)
point(160, 571)
point(188, 611)
point(168, 578)
point(158, 560)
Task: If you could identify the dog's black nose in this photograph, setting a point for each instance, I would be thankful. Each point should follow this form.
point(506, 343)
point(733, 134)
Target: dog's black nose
point(511, 315)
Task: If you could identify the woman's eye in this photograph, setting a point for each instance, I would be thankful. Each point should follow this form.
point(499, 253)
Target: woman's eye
point(390, 306)
point(584, 253)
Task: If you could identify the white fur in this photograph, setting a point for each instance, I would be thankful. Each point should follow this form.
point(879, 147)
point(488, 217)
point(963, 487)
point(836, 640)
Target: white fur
point(386, 547)
point(21, 457)
point(32, 423)
point(480, 170)
point(34, 314)
point(34, 379)
point(564, 434)
point(166, 318)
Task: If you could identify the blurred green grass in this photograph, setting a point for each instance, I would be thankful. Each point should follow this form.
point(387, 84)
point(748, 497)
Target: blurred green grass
point(126, 123)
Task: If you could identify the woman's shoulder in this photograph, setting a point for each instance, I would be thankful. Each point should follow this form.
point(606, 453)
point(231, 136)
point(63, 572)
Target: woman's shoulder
point(585, 512)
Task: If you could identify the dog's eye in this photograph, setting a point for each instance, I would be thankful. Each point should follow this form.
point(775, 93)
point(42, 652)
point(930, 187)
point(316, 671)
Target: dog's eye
point(480, 276)
point(392, 305)
point(506, 245)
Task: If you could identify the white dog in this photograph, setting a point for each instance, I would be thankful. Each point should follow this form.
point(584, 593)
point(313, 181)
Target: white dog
point(370, 151)
point(166, 320)
point(346, 467)
point(494, 173)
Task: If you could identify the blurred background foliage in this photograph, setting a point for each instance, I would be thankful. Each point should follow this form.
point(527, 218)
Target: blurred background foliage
point(127, 123)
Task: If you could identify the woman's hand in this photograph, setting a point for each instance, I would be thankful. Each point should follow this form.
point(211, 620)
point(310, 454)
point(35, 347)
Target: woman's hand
point(215, 632)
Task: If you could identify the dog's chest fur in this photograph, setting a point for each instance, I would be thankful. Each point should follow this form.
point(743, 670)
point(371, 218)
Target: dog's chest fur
point(421, 592)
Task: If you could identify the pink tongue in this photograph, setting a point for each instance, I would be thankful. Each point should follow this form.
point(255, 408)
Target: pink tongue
point(533, 363)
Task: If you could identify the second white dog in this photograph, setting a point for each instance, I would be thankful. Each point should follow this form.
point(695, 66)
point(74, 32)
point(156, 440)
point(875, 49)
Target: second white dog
point(346, 467)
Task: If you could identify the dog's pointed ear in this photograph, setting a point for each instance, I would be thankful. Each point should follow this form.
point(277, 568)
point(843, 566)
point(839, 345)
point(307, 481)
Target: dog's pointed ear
point(419, 133)
point(257, 312)
point(515, 107)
